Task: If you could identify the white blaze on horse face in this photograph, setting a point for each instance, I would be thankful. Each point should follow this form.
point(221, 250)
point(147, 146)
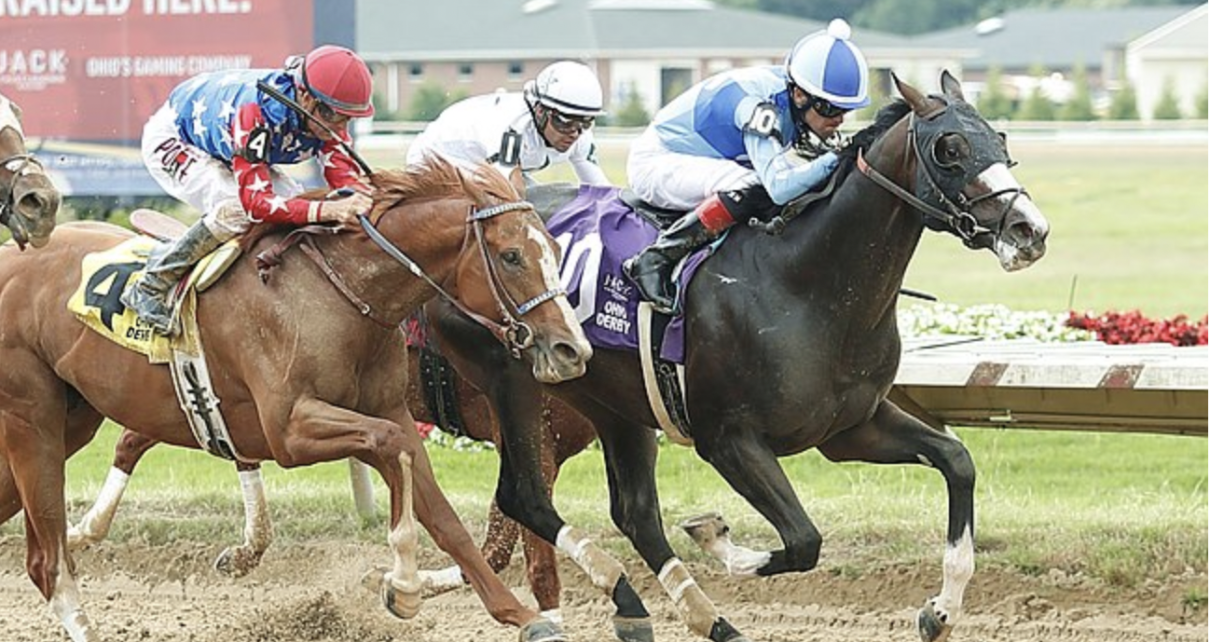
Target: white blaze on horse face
point(959, 566)
point(549, 263)
point(8, 117)
point(998, 178)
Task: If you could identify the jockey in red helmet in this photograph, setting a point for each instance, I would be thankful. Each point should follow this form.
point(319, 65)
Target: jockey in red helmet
point(217, 142)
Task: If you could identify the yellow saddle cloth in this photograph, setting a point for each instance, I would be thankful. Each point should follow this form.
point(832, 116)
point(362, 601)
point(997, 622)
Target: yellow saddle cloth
point(105, 275)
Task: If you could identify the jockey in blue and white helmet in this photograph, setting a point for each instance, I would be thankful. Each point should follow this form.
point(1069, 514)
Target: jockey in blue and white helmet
point(741, 144)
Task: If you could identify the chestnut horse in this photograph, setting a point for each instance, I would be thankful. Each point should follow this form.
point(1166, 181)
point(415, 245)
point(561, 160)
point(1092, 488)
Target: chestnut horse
point(29, 202)
point(791, 344)
point(304, 375)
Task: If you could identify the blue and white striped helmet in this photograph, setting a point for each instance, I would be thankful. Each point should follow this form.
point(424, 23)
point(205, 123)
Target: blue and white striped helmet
point(826, 65)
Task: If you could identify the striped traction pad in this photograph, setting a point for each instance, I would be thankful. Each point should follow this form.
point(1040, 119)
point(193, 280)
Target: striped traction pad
point(969, 361)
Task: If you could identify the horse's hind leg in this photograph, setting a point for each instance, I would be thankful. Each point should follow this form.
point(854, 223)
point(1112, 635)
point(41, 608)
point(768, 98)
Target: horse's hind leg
point(894, 437)
point(238, 561)
point(94, 526)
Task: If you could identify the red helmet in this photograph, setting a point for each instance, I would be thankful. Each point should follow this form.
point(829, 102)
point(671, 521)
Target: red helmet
point(340, 79)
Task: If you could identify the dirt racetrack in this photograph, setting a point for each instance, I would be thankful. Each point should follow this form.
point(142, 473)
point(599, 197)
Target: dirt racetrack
point(311, 593)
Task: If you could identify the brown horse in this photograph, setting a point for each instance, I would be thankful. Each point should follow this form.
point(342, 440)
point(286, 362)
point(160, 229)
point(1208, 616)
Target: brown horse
point(304, 376)
point(564, 434)
point(28, 200)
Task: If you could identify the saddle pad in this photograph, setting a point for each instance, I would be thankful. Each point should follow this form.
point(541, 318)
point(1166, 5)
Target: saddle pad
point(597, 231)
point(97, 301)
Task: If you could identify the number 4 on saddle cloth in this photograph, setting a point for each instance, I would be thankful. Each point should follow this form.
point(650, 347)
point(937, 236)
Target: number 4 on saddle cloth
point(97, 303)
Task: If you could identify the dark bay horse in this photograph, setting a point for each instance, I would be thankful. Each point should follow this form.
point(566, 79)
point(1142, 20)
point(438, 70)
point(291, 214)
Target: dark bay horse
point(29, 202)
point(792, 344)
point(304, 375)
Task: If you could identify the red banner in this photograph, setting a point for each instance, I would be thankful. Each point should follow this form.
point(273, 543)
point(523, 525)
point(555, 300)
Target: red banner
point(95, 70)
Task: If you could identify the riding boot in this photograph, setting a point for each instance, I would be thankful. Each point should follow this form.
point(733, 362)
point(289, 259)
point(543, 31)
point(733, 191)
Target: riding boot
point(148, 296)
point(651, 270)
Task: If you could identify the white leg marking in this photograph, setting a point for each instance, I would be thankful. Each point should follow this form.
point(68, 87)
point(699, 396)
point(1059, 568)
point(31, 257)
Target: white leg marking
point(602, 569)
point(697, 611)
point(95, 524)
point(65, 604)
point(441, 581)
point(959, 566)
point(258, 529)
point(554, 615)
point(404, 540)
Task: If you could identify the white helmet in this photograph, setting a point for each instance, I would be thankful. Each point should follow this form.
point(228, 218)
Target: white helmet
point(826, 65)
point(567, 87)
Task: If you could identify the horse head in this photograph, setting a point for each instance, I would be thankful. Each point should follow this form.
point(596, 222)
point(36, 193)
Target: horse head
point(28, 200)
point(962, 182)
point(506, 274)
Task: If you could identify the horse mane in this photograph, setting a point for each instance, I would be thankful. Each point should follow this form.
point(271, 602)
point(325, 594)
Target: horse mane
point(887, 116)
point(436, 177)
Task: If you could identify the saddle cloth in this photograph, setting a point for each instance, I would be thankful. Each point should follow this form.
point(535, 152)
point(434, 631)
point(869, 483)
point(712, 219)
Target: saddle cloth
point(105, 275)
point(598, 231)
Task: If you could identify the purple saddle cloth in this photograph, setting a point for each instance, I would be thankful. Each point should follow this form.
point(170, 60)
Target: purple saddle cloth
point(598, 231)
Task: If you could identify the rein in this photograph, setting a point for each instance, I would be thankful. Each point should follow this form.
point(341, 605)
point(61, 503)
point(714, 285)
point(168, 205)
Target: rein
point(957, 218)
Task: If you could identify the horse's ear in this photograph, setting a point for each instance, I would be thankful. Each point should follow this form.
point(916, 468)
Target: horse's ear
point(518, 181)
point(916, 100)
point(951, 87)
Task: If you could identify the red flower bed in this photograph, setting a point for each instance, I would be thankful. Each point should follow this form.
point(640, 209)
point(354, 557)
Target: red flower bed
point(1133, 327)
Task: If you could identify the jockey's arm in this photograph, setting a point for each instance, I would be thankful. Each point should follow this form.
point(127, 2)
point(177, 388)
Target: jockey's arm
point(339, 168)
point(587, 169)
point(785, 178)
point(251, 141)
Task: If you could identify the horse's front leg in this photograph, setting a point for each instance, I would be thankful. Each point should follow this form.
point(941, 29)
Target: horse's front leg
point(895, 437)
point(317, 431)
point(630, 457)
point(752, 469)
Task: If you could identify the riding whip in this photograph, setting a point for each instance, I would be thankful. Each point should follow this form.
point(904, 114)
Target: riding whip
point(273, 93)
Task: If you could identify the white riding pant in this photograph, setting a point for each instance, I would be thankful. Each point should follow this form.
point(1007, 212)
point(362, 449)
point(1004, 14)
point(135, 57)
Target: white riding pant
point(679, 181)
point(191, 175)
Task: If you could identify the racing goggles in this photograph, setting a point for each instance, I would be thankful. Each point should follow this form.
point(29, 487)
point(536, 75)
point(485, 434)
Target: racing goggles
point(827, 109)
point(570, 124)
point(329, 115)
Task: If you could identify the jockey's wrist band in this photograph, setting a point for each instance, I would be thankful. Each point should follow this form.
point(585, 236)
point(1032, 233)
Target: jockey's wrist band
point(314, 210)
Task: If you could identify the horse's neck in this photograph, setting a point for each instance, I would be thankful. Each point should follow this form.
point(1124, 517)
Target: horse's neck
point(865, 233)
point(432, 237)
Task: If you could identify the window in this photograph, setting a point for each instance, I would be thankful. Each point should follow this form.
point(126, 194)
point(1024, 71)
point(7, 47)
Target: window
point(465, 71)
point(515, 70)
point(415, 71)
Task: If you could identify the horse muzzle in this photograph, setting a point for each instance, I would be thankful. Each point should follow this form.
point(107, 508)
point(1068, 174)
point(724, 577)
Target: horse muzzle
point(559, 360)
point(1022, 240)
point(35, 205)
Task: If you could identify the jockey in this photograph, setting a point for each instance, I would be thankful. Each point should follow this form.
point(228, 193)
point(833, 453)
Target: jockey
point(215, 145)
point(740, 144)
point(549, 122)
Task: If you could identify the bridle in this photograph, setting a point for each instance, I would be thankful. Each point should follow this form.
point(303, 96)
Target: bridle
point(956, 215)
point(26, 160)
point(515, 334)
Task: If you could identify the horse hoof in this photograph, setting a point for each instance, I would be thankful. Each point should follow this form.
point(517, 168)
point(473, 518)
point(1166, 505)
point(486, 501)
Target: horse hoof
point(705, 528)
point(236, 562)
point(403, 604)
point(542, 630)
point(930, 626)
point(628, 629)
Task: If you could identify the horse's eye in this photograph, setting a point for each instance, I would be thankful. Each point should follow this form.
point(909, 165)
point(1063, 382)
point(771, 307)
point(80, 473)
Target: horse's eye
point(950, 150)
point(511, 257)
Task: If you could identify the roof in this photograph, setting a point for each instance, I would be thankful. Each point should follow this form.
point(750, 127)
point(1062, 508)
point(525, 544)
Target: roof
point(1187, 32)
point(509, 29)
point(1052, 38)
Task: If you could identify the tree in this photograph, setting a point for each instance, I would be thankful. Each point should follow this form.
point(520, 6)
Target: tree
point(632, 113)
point(1167, 107)
point(1200, 102)
point(430, 99)
point(1079, 105)
point(1125, 104)
point(994, 103)
point(1037, 105)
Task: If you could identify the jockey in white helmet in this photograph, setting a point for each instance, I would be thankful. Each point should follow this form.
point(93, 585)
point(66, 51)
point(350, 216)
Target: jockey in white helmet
point(741, 144)
point(549, 122)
